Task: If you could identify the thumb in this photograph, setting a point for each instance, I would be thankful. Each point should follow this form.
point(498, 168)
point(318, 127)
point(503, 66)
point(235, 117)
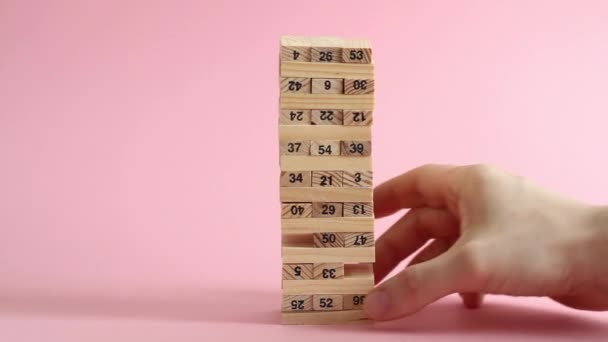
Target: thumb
point(414, 288)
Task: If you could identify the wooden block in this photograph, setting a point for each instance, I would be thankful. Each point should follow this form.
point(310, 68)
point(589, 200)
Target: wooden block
point(328, 240)
point(295, 49)
point(324, 132)
point(344, 317)
point(325, 148)
point(326, 117)
point(352, 240)
point(327, 70)
point(358, 86)
point(319, 225)
point(358, 117)
point(357, 51)
point(296, 210)
point(295, 85)
point(297, 303)
point(345, 285)
point(326, 50)
point(323, 163)
point(355, 209)
point(295, 254)
point(354, 302)
point(326, 209)
point(327, 302)
point(295, 148)
point(357, 178)
point(355, 148)
point(328, 271)
point(296, 178)
point(327, 86)
point(322, 101)
point(327, 178)
point(322, 194)
point(295, 117)
point(297, 271)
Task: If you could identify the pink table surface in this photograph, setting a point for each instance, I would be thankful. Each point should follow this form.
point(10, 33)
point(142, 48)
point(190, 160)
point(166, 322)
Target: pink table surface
point(139, 156)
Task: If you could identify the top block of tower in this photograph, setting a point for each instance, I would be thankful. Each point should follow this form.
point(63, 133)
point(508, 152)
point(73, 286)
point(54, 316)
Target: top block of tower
point(325, 50)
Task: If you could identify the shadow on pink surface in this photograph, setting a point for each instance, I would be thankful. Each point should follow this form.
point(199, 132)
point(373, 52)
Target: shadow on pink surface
point(261, 307)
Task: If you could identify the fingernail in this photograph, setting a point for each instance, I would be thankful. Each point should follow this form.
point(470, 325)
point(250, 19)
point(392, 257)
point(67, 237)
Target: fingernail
point(378, 303)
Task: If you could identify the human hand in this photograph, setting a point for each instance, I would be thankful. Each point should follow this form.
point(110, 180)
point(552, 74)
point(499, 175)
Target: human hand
point(491, 233)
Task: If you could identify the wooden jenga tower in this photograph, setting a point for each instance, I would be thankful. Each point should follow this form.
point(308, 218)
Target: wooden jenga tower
point(327, 223)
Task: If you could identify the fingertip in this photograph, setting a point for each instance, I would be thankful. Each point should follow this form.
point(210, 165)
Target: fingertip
point(377, 304)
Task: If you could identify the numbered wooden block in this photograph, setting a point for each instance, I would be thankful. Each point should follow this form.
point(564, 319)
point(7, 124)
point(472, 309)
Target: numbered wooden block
point(325, 209)
point(357, 209)
point(357, 179)
point(295, 85)
point(353, 302)
point(328, 271)
point(296, 210)
point(358, 117)
point(326, 117)
point(357, 51)
point(356, 148)
point(297, 303)
point(295, 49)
point(327, 303)
point(296, 178)
point(295, 117)
point(327, 178)
point(297, 271)
point(328, 240)
point(326, 50)
point(358, 87)
point(327, 86)
point(325, 148)
point(352, 240)
point(295, 148)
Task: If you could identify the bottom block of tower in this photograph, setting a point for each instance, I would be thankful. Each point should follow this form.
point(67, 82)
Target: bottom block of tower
point(325, 317)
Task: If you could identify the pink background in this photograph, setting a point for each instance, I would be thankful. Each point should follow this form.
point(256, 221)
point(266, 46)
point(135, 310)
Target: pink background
point(139, 166)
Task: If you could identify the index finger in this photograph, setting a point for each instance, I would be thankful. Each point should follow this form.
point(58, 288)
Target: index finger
point(429, 185)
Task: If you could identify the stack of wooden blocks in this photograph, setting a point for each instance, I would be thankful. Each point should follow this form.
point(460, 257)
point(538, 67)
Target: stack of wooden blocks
point(326, 178)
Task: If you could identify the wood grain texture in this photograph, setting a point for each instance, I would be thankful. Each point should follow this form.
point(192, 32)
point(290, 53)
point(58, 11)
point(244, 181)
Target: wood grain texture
point(356, 209)
point(297, 303)
point(327, 209)
point(319, 225)
point(353, 178)
point(355, 240)
point(295, 48)
point(296, 85)
point(327, 70)
point(319, 255)
point(327, 302)
point(295, 117)
point(328, 271)
point(321, 101)
point(326, 49)
point(296, 210)
point(320, 194)
point(344, 317)
point(324, 132)
point(359, 86)
point(326, 148)
point(295, 147)
point(336, 286)
point(353, 301)
point(327, 117)
point(327, 86)
point(354, 148)
point(358, 117)
point(328, 240)
point(292, 163)
point(297, 271)
point(296, 178)
point(357, 51)
point(328, 179)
